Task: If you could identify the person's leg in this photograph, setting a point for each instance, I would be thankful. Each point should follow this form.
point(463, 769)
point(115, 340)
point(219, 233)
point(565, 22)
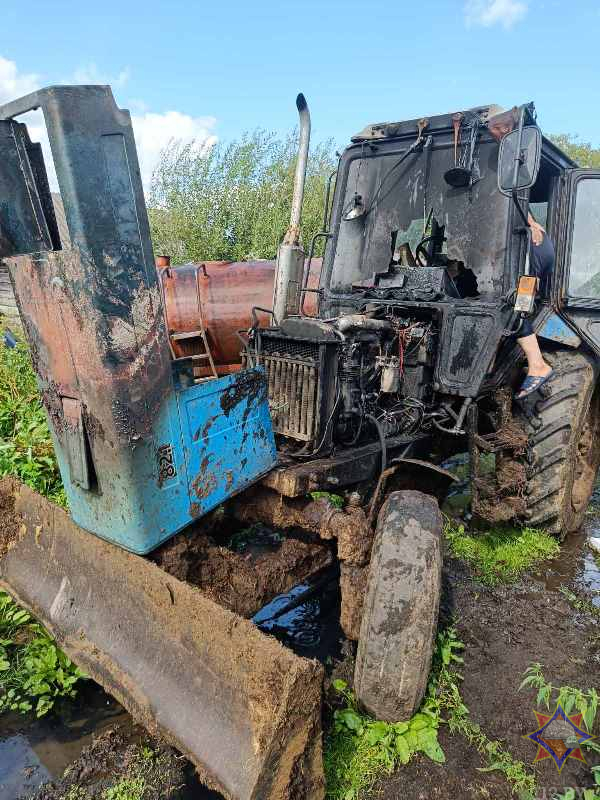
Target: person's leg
point(536, 366)
point(541, 265)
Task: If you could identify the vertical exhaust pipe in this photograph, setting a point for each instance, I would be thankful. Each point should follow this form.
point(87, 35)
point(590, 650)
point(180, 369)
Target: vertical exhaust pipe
point(290, 256)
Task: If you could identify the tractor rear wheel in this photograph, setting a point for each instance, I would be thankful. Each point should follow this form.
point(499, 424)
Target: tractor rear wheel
point(563, 446)
point(401, 607)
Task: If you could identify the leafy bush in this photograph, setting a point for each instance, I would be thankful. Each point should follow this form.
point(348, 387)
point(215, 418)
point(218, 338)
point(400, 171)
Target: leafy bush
point(500, 556)
point(233, 201)
point(33, 670)
point(359, 750)
point(335, 499)
point(26, 449)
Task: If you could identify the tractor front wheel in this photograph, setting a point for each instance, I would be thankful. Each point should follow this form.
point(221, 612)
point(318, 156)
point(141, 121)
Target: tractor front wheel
point(400, 614)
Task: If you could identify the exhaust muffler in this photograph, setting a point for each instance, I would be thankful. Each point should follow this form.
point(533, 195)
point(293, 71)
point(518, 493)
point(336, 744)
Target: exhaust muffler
point(290, 256)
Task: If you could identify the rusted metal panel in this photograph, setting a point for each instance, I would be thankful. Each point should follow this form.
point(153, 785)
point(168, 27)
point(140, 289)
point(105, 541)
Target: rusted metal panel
point(228, 293)
point(244, 709)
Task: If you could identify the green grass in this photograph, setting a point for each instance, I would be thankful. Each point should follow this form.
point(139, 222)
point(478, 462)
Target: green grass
point(127, 789)
point(34, 672)
point(26, 449)
point(500, 555)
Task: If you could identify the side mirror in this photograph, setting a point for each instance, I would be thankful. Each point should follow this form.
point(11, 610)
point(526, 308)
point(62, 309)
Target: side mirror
point(519, 159)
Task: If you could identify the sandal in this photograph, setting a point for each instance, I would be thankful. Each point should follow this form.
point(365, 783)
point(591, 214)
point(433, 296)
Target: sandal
point(532, 383)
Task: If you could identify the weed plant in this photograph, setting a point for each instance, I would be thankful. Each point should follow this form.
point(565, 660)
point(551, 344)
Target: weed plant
point(34, 672)
point(360, 750)
point(446, 699)
point(585, 702)
point(26, 449)
point(569, 698)
point(580, 603)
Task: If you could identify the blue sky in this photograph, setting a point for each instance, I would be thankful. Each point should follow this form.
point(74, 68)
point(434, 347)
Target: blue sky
point(221, 68)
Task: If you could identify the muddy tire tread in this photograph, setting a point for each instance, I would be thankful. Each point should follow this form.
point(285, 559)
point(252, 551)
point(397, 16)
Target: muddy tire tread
point(401, 607)
point(553, 445)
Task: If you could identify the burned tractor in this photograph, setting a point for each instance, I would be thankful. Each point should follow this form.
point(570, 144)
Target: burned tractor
point(360, 384)
point(425, 286)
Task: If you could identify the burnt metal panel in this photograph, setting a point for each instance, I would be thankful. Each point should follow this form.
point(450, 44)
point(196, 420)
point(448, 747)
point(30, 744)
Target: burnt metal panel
point(96, 164)
point(469, 339)
point(94, 319)
point(22, 220)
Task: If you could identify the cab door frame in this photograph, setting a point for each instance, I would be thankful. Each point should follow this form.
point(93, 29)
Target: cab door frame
point(582, 312)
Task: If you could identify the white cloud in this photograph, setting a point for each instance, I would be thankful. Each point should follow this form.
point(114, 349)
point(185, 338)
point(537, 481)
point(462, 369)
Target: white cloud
point(153, 131)
point(495, 12)
point(90, 74)
point(14, 84)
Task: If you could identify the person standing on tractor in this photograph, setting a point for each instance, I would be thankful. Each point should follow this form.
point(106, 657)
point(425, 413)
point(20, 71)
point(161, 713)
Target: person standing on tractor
point(541, 259)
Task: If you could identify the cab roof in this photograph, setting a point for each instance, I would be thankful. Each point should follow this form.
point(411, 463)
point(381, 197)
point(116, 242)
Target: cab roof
point(392, 130)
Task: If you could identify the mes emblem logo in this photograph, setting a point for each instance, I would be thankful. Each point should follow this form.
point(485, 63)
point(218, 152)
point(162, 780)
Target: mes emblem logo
point(166, 463)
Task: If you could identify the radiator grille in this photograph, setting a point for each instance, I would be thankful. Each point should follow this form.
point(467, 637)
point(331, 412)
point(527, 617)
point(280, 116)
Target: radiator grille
point(292, 369)
point(306, 351)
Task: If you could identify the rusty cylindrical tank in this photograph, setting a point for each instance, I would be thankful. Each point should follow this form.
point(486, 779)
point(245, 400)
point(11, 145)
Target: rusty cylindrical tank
point(220, 295)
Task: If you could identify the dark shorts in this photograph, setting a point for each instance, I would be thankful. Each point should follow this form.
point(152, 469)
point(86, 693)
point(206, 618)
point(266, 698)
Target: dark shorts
point(541, 264)
point(541, 259)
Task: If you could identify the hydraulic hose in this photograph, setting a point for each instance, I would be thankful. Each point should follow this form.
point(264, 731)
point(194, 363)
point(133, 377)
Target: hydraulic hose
point(381, 435)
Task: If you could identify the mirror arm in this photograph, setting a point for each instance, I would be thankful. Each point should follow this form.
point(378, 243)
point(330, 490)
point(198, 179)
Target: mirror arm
point(522, 214)
point(527, 251)
point(518, 153)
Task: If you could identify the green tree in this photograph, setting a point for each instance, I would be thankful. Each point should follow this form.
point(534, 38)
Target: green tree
point(232, 201)
point(581, 152)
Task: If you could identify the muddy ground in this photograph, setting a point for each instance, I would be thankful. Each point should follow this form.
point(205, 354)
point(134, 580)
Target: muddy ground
point(111, 754)
point(504, 631)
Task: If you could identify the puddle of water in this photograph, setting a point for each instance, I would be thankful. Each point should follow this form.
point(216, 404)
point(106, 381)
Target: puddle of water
point(35, 751)
point(575, 565)
point(312, 628)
